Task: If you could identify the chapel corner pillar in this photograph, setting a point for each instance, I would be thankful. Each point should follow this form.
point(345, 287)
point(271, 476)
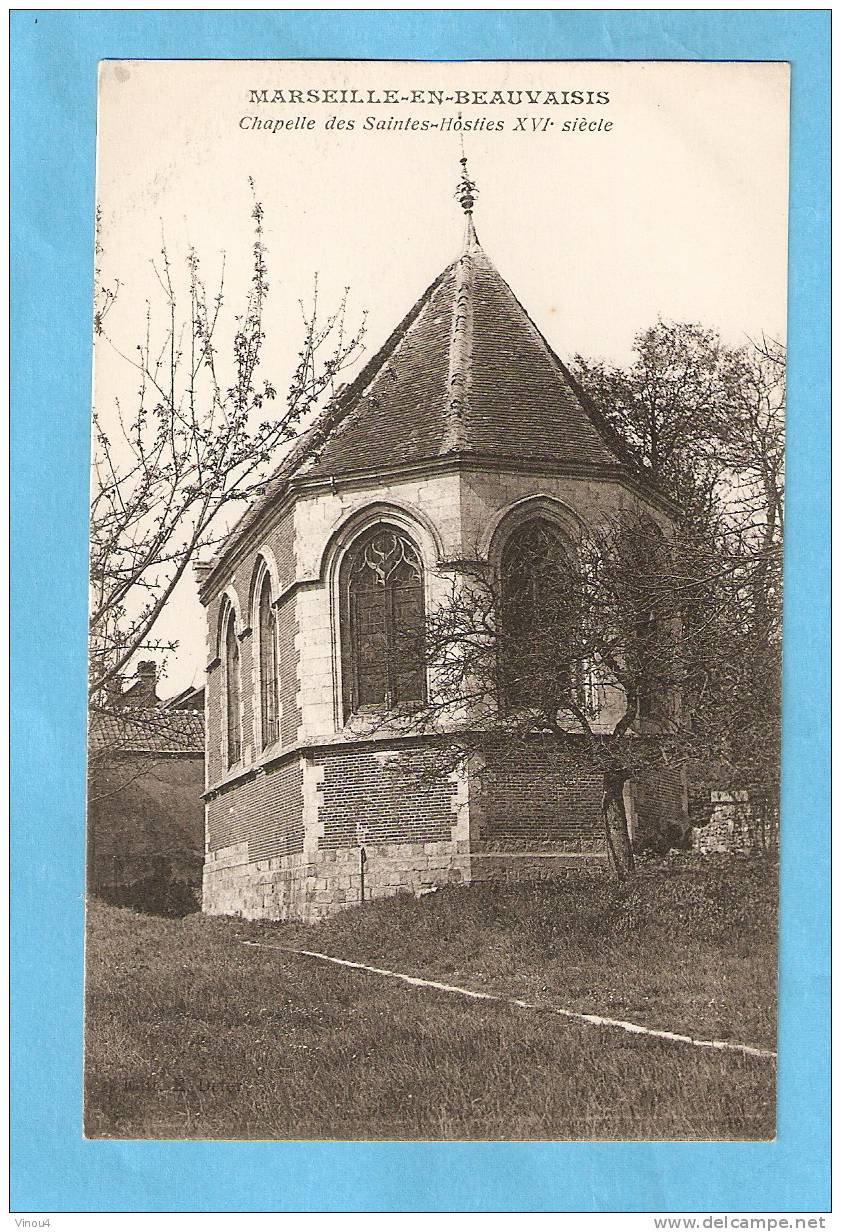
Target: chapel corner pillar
point(312, 777)
point(468, 806)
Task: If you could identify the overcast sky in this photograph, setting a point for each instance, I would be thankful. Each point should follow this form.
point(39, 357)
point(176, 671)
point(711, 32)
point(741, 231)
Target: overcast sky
point(679, 209)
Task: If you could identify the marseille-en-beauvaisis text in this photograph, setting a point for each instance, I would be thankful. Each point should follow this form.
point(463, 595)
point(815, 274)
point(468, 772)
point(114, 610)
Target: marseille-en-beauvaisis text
point(459, 98)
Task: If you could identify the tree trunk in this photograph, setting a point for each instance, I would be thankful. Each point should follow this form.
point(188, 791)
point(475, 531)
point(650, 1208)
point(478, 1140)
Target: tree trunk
point(617, 838)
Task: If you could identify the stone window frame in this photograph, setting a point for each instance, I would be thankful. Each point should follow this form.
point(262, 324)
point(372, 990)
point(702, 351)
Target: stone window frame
point(354, 525)
point(511, 520)
point(265, 570)
point(527, 509)
point(230, 615)
point(572, 528)
point(393, 703)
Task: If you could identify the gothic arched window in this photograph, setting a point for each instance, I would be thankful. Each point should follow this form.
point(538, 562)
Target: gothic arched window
point(539, 602)
point(382, 610)
point(267, 634)
point(233, 723)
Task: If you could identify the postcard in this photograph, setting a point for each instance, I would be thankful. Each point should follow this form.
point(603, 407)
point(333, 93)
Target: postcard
point(436, 597)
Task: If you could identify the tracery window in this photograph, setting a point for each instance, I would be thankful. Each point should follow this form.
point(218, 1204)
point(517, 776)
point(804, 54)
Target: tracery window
point(267, 633)
point(539, 603)
point(233, 725)
point(382, 619)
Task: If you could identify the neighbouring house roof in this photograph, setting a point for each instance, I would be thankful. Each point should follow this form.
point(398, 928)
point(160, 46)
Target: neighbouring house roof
point(146, 730)
point(191, 698)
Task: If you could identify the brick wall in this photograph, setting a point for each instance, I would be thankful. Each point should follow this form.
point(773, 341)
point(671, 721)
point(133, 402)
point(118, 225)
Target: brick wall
point(661, 821)
point(265, 812)
point(383, 798)
point(537, 798)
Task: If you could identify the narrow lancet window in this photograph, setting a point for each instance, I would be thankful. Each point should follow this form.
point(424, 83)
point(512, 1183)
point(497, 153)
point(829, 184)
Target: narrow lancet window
point(267, 633)
point(232, 693)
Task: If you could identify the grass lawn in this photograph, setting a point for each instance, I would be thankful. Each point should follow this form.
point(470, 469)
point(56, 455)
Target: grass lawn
point(190, 1034)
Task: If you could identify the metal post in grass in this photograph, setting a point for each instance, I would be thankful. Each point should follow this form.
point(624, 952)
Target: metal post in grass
point(363, 860)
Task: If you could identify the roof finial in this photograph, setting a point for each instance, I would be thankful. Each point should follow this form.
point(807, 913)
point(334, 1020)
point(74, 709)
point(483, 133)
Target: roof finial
point(467, 190)
point(466, 196)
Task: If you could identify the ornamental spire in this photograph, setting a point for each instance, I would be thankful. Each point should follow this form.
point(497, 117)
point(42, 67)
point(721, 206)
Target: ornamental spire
point(466, 197)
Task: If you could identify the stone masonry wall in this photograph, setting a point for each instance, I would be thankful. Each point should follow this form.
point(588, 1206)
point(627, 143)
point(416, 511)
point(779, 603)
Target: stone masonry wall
point(288, 666)
point(279, 888)
point(739, 822)
point(310, 886)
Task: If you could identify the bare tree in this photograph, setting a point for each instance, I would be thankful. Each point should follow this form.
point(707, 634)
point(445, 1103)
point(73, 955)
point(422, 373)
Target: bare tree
point(197, 435)
point(750, 447)
point(707, 422)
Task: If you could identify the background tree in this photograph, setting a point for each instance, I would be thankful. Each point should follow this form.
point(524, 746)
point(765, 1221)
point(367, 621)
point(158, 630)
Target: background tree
point(749, 447)
point(196, 435)
point(707, 423)
point(643, 652)
point(668, 405)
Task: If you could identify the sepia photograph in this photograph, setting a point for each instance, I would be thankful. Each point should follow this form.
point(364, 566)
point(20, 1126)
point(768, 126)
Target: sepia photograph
point(435, 625)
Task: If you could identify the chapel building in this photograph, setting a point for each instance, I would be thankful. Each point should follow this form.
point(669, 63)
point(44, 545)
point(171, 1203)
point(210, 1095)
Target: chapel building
point(463, 437)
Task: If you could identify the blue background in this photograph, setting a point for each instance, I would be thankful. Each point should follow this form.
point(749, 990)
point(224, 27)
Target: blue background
point(54, 60)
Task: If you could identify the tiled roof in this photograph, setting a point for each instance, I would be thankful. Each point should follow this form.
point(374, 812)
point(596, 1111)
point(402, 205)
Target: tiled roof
point(191, 698)
point(469, 373)
point(146, 730)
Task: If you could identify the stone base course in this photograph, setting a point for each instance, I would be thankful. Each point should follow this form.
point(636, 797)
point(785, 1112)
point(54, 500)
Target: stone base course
point(312, 885)
point(309, 887)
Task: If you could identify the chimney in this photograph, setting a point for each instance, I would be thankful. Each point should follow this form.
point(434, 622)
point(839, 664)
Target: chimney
point(143, 691)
